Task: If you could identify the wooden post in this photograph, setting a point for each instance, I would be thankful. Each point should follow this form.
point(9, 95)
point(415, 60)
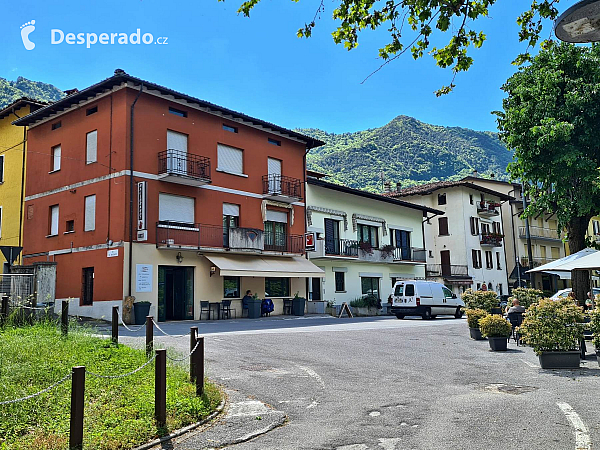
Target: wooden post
point(198, 357)
point(77, 401)
point(4, 309)
point(115, 324)
point(193, 336)
point(64, 318)
point(160, 387)
point(149, 335)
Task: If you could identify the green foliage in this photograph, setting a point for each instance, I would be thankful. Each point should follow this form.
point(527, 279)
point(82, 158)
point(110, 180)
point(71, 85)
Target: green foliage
point(364, 302)
point(494, 325)
point(474, 316)
point(413, 26)
point(118, 413)
point(595, 326)
point(407, 151)
point(553, 325)
point(13, 90)
point(526, 296)
point(485, 300)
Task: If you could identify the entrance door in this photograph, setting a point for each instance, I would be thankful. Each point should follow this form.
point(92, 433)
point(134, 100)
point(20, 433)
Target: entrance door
point(316, 288)
point(175, 293)
point(87, 286)
point(446, 268)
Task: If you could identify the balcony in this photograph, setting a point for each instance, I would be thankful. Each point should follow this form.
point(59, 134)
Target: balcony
point(183, 168)
point(539, 233)
point(491, 239)
point(341, 247)
point(447, 270)
point(213, 238)
point(537, 261)
point(488, 209)
point(281, 188)
point(410, 254)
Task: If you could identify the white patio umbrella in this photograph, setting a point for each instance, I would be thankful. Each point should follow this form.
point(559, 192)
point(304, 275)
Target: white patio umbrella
point(589, 262)
point(556, 267)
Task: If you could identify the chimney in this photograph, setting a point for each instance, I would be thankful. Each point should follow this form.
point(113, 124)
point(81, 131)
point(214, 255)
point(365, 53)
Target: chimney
point(387, 187)
point(120, 72)
point(398, 186)
point(475, 173)
point(71, 91)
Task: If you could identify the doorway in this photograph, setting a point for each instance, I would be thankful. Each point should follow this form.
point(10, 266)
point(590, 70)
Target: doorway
point(175, 293)
point(446, 267)
point(316, 288)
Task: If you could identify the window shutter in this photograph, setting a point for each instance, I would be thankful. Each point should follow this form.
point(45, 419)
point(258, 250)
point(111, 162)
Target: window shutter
point(90, 213)
point(56, 156)
point(443, 225)
point(274, 166)
point(177, 141)
point(276, 216)
point(175, 208)
point(230, 209)
point(1, 168)
point(473, 226)
point(54, 220)
point(230, 159)
point(91, 147)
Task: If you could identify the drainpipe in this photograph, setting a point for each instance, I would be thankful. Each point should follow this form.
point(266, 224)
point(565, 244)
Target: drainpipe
point(131, 188)
point(22, 187)
point(305, 217)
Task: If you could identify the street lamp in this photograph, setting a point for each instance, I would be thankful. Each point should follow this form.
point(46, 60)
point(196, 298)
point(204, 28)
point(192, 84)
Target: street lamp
point(580, 23)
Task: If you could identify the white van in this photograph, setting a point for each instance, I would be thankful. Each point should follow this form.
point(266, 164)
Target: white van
point(424, 298)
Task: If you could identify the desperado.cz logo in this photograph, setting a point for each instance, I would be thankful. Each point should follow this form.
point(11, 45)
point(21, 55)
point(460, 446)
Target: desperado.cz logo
point(58, 36)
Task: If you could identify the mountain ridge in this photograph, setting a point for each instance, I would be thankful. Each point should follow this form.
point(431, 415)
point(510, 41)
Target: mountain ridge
point(22, 87)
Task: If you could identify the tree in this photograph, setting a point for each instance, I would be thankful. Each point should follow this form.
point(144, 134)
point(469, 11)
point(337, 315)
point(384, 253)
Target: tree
point(423, 19)
point(550, 119)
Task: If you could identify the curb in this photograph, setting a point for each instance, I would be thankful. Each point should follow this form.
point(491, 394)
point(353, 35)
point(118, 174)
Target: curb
point(184, 430)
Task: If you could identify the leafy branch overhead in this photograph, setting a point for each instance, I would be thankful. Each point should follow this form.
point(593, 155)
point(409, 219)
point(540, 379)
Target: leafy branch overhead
point(424, 18)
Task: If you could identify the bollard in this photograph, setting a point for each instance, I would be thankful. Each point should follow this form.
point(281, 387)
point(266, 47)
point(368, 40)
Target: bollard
point(4, 309)
point(77, 397)
point(193, 336)
point(64, 318)
point(115, 324)
point(160, 387)
point(149, 335)
point(198, 357)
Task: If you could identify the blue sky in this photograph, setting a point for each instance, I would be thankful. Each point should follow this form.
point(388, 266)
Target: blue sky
point(258, 65)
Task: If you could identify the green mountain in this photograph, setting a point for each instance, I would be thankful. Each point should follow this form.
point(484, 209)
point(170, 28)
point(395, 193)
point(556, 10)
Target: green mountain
point(13, 90)
point(407, 151)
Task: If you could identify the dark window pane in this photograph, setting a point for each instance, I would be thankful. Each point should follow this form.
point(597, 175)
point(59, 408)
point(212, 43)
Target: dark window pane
point(231, 287)
point(277, 287)
point(340, 285)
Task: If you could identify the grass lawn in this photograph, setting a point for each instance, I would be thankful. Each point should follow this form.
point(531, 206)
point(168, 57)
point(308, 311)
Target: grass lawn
point(119, 414)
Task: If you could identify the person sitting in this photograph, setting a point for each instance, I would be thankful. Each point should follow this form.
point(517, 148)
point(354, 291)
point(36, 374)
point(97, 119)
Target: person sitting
point(515, 308)
point(245, 300)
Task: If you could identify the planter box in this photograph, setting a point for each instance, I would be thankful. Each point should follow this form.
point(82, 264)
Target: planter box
point(498, 344)
point(598, 356)
point(316, 307)
point(476, 334)
point(140, 311)
point(560, 360)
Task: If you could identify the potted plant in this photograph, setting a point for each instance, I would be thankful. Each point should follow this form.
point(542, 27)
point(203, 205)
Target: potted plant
point(486, 300)
point(595, 329)
point(366, 247)
point(140, 311)
point(497, 329)
point(527, 296)
point(473, 317)
point(554, 329)
point(387, 251)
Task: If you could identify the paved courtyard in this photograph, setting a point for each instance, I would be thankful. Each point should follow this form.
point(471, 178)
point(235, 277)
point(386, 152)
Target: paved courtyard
point(383, 383)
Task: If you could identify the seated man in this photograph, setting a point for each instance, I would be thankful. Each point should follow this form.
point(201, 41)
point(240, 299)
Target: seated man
point(516, 307)
point(245, 299)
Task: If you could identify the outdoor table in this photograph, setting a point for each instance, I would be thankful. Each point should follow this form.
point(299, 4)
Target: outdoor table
point(217, 305)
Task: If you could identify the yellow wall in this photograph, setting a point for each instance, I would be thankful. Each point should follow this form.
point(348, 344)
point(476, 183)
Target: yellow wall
point(11, 146)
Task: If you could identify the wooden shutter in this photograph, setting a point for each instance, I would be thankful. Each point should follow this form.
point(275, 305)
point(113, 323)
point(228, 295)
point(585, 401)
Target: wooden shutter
point(90, 213)
point(230, 159)
point(443, 226)
point(175, 208)
point(91, 149)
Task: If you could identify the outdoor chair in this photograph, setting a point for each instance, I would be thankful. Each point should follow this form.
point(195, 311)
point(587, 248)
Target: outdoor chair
point(226, 309)
point(287, 307)
point(515, 319)
point(205, 308)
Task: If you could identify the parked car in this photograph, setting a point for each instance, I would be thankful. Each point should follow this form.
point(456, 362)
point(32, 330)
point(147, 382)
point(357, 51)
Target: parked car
point(563, 293)
point(427, 299)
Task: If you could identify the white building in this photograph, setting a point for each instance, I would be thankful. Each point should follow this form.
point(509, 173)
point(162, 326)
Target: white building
point(365, 241)
point(465, 247)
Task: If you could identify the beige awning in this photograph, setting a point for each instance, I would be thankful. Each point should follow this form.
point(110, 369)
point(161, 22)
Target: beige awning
point(265, 266)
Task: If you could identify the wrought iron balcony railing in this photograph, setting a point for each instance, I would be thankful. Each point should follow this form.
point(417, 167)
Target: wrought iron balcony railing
point(183, 167)
point(447, 270)
point(282, 187)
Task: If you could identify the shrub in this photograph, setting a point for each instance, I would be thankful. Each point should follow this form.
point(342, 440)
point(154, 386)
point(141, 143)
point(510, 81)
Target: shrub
point(364, 301)
point(494, 325)
point(527, 296)
point(595, 326)
point(553, 325)
point(473, 317)
point(485, 300)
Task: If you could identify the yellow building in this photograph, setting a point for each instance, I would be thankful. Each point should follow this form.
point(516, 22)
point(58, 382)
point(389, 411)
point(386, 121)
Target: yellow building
point(12, 173)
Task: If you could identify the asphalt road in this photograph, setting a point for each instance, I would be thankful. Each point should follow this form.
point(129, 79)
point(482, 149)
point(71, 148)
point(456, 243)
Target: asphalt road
point(383, 383)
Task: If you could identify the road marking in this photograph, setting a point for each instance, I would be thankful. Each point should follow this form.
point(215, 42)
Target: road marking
point(389, 443)
point(313, 375)
point(530, 364)
point(353, 447)
point(582, 438)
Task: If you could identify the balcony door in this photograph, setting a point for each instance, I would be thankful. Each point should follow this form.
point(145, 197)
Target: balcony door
point(231, 219)
point(275, 233)
point(274, 176)
point(332, 237)
point(445, 258)
point(177, 147)
point(402, 241)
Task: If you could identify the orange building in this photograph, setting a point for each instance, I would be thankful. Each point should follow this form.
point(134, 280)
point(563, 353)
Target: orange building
point(138, 190)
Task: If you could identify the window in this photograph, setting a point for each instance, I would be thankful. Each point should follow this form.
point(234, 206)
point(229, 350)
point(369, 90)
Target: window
point(441, 199)
point(478, 286)
point(91, 148)
point(275, 234)
point(231, 287)
point(498, 265)
point(231, 219)
point(70, 226)
point(476, 256)
point(90, 213)
point(474, 226)
point(275, 142)
point(500, 289)
point(332, 237)
point(230, 128)
point(87, 286)
point(409, 290)
point(53, 222)
point(1, 168)
point(368, 233)
point(370, 286)
point(489, 262)
point(401, 239)
point(177, 112)
point(482, 197)
point(399, 290)
point(175, 208)
point(56, 152)
point(230, 159)
point(471, 199)
point(555, 252)
point(447, 292)
point(56, 125)
point(340, 282)
point(92, 110)
point(496, 227)
point(443, 226)
point(277, 287)
point(485, 228)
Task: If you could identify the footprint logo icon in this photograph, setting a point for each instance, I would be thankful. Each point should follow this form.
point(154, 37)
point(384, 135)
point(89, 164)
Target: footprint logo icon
point(26, 30)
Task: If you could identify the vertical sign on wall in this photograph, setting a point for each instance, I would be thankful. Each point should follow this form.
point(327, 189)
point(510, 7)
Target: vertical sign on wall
point(141, 219)
point(143, 278)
